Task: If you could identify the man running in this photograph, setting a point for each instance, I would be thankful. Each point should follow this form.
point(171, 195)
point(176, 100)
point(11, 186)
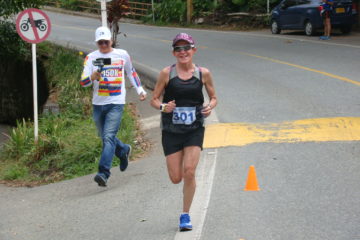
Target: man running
point(104, 69)
point(182, 117)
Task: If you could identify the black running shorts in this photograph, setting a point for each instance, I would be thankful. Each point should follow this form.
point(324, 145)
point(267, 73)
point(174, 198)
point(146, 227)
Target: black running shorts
point(175, 142)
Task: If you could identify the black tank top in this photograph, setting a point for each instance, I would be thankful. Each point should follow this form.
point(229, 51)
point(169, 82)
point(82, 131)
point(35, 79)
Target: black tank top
point(186, 93)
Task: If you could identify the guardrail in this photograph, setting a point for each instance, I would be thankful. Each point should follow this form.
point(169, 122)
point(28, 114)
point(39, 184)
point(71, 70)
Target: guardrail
point(137, 9)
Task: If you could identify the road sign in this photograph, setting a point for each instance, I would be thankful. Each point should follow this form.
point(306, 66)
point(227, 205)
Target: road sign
point(33, 25)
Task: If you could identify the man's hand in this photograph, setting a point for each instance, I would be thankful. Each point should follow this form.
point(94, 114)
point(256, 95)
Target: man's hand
point(142, 96)
point(95, 76)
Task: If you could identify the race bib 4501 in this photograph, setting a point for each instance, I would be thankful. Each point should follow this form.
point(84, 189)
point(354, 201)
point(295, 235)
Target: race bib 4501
point(184, 115)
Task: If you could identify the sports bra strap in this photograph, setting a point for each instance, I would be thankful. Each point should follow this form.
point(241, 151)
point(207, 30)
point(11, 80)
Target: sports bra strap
point(197, 73)
point(173, 72)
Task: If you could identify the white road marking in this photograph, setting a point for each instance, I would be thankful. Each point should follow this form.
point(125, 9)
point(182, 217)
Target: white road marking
point(204, 180)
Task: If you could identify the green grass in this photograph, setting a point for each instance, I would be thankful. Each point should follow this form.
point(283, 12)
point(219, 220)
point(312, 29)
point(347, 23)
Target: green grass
point(68, 144)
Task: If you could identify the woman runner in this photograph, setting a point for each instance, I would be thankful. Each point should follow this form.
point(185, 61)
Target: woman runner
point(182, 117)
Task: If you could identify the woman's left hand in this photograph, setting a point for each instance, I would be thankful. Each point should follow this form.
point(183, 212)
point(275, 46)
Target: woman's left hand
point(206, 111)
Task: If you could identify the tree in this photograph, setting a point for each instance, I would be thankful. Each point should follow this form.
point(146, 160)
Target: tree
point(115, 11)
point(10, 7)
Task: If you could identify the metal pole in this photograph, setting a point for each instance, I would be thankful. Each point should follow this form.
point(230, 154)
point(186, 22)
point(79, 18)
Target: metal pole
point(268, 6)
point(103, 13)
point(153, 10)
point(36, 122)
point(189, 11)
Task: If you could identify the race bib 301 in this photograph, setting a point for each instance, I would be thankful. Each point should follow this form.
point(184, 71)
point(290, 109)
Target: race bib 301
point(184, 115)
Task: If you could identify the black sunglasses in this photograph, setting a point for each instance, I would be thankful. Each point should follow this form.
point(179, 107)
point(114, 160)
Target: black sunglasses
point(103, 42)
point(185, 48)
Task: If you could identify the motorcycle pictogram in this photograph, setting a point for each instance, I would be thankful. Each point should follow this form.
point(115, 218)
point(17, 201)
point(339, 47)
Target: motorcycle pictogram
point(37, 23)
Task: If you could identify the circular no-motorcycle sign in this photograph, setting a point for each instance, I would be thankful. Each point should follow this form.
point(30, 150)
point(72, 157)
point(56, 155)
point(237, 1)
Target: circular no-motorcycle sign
point(33, 25)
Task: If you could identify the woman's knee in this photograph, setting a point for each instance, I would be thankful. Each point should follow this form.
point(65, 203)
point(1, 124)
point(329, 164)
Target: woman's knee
point(189, 173)
point(175, 178)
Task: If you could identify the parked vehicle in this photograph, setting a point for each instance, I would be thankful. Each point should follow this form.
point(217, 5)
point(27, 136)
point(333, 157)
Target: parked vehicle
point(305, 15)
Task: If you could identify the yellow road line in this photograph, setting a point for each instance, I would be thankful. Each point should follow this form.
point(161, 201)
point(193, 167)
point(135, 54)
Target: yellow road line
point(305, 68)
point(308, 130)
point(74, 28)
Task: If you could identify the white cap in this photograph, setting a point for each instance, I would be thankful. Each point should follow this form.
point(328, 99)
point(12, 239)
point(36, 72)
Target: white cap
point(102, 33)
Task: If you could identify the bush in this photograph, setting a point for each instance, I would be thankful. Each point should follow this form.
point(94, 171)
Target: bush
point(16, 96)
point(173, 11)
point(203, 7)
point(255, 6)
point(10, 7)
point(68, 145)
point(15, 46)
point(69, 4)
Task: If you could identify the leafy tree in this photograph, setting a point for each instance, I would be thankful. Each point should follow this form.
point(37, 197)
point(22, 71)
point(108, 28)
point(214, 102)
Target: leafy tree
point(10, 7)
point(115, 11)
point(239, 2)
point(171, 11)
point(203, 6)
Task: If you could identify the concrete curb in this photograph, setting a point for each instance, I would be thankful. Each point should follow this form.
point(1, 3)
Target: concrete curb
point(147, 74)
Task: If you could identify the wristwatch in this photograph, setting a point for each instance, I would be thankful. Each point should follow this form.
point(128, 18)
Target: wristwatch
point(162, 107)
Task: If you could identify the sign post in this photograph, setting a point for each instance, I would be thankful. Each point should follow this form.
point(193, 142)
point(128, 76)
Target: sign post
point(33, 26)
point(35, 94)
point(103, 12)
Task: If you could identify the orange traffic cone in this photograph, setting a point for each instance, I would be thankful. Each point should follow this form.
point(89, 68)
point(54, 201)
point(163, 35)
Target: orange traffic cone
point(251, 183)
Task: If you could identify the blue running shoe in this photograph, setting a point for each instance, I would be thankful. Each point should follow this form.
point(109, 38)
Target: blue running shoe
point(124, 160)
point(324, 38)
point(100, 180)
point(185, 223)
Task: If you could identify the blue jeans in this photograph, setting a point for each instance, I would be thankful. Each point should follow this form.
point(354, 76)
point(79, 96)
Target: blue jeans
point(108, 119)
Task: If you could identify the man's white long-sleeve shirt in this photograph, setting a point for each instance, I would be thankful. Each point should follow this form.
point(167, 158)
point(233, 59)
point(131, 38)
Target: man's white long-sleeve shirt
point(110, 88)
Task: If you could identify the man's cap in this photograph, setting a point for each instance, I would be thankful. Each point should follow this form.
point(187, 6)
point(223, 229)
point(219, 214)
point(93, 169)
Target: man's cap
point(185, 37)
point(102, 33)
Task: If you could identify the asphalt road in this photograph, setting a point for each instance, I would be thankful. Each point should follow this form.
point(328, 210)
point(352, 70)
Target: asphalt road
point(309, 189)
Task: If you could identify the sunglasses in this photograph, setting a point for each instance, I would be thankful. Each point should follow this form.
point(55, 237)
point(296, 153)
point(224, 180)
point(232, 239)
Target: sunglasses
point(185, 48)
point(103, 42)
